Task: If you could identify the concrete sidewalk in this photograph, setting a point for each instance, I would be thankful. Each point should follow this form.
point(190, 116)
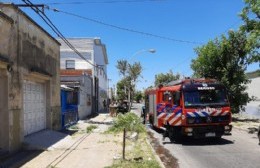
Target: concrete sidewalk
point(81, 149)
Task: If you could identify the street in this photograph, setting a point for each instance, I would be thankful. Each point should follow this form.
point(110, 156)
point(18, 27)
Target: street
point(241, 149)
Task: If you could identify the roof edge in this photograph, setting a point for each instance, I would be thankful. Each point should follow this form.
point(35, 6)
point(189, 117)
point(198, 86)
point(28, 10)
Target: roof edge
point(30, 19)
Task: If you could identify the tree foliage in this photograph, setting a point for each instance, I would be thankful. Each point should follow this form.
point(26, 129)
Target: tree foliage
point(129, 122)
point(131, 73)
point(122, 67)
point(251, 17)
point(134, 71)
point(162, 78)
point(138, 96)
point(122, 89)
point(225, 59)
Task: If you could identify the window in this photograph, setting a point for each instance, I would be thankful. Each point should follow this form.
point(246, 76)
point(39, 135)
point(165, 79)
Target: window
point(167, 97)
point(70, 64)
point(205, 97)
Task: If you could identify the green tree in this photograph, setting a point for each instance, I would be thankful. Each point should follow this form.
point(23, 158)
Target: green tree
point(138, 96)
point(122, 67)
point(135, 71)
point(162, 78)
point(225, 59)
point(130, 73)
point(251, 17)
point(122, 89)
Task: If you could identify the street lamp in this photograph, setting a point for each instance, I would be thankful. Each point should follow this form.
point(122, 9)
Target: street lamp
point(151, 50)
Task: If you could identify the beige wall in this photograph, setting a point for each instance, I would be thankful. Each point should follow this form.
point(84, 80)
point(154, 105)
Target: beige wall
point(4, 131)
point(33, 55)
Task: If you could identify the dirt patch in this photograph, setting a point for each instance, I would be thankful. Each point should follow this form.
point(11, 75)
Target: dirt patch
point(251, 125)
point(164, 154)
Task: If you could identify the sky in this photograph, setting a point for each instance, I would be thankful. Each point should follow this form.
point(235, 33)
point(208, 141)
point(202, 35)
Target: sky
point(172, 27)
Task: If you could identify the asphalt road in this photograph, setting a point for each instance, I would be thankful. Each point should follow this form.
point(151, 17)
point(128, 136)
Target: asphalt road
point(240, 150)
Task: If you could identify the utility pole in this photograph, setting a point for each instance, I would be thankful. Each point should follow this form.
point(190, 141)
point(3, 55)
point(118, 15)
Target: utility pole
point(42, 6)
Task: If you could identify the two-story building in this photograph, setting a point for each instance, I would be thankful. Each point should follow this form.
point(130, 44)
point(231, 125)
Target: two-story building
point(29, 78)
point(96, 66)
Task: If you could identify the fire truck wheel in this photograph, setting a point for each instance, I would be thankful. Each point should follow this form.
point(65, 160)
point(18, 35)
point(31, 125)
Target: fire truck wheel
point(175, 134)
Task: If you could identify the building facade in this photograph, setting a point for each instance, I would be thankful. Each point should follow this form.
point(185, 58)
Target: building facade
point(83, 84)
point(253, 107)
point(29, 90)
point(95, 52)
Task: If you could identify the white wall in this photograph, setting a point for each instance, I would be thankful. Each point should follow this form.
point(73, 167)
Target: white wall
point(85, 102)
point(253, 88)
point(101, 73)
point(79, 62)
point(252, 109)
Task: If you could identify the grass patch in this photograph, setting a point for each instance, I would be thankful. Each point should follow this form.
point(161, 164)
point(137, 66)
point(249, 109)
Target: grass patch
point(138, 153)
point(90, 128)
point(135, 164)
point(105, 141)
point(73, 127)
point(237, 124)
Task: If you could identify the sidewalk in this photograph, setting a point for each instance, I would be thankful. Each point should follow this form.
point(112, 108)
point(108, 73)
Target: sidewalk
point(81, 149)
point(245, 123)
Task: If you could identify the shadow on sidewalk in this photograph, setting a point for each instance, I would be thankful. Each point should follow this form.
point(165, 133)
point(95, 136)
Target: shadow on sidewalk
point(33, 146)
point(43, 140)
point(19, 159)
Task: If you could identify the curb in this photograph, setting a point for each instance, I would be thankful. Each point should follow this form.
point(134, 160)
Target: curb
point(243, 129)
point(155, 154)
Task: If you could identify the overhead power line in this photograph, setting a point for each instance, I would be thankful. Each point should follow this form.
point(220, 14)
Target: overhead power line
point(106, 2)
point(124, 28)
point(55, 29)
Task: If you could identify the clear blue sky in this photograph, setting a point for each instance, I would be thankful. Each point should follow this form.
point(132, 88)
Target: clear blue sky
point(185, 20)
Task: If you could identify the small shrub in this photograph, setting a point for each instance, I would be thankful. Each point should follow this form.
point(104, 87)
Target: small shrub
point(90, 128)
point(73, 127)
point(129, 121)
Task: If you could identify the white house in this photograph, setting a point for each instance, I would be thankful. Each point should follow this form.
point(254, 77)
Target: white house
point(95, 52)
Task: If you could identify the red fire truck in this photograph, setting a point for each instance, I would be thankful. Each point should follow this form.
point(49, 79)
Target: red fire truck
point(190, 107)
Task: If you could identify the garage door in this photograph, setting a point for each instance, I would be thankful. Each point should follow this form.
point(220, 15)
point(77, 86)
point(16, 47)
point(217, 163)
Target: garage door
point(34, 104)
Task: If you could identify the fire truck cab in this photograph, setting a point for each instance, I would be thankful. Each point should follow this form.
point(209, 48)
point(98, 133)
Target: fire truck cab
point(190, 107)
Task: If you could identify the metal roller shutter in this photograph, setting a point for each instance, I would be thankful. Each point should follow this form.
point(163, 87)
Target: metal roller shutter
point(34, 106)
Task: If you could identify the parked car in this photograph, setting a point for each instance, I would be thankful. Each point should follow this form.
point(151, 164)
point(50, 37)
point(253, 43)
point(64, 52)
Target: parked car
point(123, 107)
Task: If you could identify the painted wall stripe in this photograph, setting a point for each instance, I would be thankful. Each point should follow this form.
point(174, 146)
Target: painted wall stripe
point(175, 118)
point(217, 113)
point(178, 123)
point(161, 115)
